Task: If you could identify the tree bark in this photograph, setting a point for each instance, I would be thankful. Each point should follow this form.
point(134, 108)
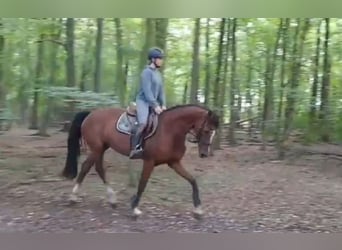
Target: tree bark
point(87, 59)
point(150, 38)
point(185, 93)
point(98, 53)
point(161, 36)
point(51, 82)
point(223, 85)
point(70, 62)
point(218, 77)
point(285, 40)
point(233, 109)
point(70, 59)
point(38, 82)
point(314, 87)
point(207, 64)
point(297, 54)
point(325, 90)
point(119, 62)
point(2, 84)
point(195, 63)
point(268, 113)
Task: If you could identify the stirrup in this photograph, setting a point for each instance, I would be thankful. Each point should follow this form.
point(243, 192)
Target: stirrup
point(136, 153)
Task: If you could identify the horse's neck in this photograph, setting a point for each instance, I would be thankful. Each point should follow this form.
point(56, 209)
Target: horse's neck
point(182, 121)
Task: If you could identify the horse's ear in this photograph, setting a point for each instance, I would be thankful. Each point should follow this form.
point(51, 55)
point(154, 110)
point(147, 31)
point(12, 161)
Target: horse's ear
point(211, 114)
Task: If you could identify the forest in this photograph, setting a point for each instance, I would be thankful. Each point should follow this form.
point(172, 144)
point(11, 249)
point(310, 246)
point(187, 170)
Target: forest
point(275, 82)
point(271, 75)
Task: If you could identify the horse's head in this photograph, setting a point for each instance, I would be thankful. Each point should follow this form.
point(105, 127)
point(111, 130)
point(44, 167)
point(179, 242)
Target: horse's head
point(204, 131)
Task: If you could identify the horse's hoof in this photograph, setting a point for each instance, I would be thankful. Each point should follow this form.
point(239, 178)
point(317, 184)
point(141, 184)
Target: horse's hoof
point(198, 216)
point(113, 205)
point(198, 213)
point(72, 203)
point(136, 213)
point(112, 201)
point(73, 199)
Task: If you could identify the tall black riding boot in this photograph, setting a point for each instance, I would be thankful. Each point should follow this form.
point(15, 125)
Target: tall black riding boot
point(136, 140)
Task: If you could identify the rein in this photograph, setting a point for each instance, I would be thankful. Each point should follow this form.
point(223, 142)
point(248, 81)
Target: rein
point(198, 135)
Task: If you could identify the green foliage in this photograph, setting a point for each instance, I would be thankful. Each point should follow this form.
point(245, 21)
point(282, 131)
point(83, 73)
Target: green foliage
point(254, 37)
point(83, 99)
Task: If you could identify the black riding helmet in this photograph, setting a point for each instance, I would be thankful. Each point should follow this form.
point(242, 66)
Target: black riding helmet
point(155, 53)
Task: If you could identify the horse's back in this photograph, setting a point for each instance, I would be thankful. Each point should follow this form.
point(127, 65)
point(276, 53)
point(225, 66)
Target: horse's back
point(106, 113)
point(101, 118)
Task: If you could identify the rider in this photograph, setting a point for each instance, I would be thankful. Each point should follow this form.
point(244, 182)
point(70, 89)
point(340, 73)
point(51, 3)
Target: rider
point(150, 95)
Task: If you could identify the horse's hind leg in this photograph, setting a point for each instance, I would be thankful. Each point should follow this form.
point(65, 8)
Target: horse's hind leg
point(102, 173)
point(86, 166)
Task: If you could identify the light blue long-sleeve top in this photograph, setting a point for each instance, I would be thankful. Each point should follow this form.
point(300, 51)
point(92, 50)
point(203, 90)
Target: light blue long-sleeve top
point(151, 88)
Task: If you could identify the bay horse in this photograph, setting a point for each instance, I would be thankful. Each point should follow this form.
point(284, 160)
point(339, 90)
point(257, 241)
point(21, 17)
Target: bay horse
point(164, 143)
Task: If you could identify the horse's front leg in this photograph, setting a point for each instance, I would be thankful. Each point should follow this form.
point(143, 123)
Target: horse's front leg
point(179, 169)
point(145, 175)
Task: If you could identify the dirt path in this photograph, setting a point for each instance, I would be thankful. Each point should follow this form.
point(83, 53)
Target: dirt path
point(242, 189)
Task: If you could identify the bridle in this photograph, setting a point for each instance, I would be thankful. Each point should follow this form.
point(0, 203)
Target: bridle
point(199, 134)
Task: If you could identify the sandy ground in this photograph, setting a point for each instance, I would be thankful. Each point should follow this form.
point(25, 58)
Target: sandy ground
point(242, 189)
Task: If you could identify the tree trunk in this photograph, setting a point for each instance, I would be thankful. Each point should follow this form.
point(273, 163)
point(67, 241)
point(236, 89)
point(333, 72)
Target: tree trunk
point(324, 108)
point(185, 93)
point(248, 94)
point(161, 36)
point(2, 84)
point(297, 54)
point(218, 78)
point(38, 82)
point(222, 89)
point(207, 64)
point(87, 59)
point(239, 101)
point(233, 111)
point(98, 53)
point(285, 40)
point(70, 62)
point(161, 32)
point(51, 82)
point(268, 113)
point(314, 88)
point(119, 62)
point(126, 70)
point(25, 84)
point(195, 63)
point(150, 40)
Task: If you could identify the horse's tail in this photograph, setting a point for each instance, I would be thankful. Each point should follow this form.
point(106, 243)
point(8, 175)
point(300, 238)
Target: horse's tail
point(70, 168)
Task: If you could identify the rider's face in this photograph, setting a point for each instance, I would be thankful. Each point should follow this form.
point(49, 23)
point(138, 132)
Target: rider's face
point(158, 62)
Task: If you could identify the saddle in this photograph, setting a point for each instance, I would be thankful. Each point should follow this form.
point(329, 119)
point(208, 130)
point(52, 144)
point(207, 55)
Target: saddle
point(128, 121)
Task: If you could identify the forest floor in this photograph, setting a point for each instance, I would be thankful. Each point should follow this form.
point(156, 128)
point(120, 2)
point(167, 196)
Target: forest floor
point(242, 189)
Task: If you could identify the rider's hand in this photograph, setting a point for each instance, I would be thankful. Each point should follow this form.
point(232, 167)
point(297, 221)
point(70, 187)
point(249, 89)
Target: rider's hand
point(163, 108)
point(158, 110)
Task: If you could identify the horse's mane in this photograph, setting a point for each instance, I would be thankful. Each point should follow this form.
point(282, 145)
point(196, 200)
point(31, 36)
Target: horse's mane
point(186, 105)
point(214, 117)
